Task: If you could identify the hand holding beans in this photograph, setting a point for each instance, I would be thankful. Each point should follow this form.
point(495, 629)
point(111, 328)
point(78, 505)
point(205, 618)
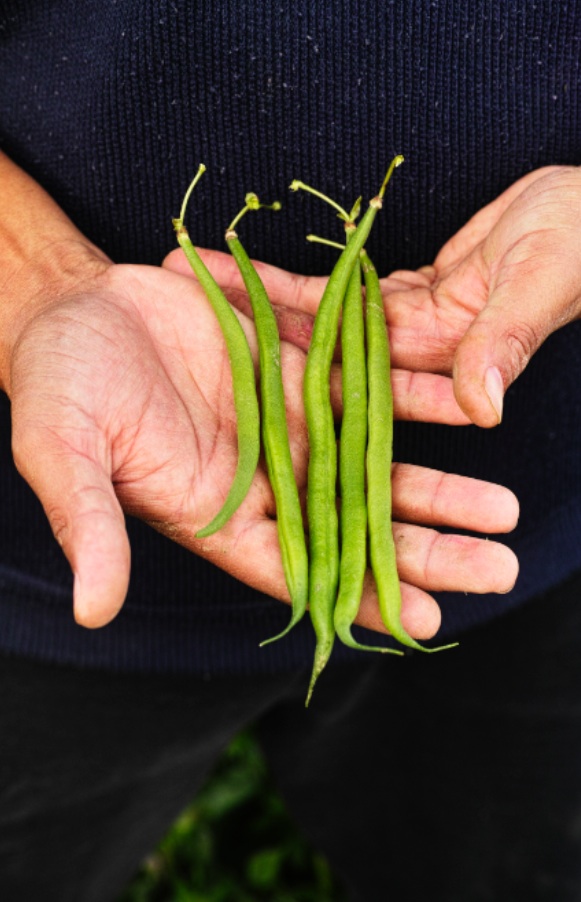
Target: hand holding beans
point(121, 404)
point(497, 290)
point(334, 590)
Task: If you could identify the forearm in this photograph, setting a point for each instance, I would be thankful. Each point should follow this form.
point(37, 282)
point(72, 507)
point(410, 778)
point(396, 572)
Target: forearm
point(42, 255)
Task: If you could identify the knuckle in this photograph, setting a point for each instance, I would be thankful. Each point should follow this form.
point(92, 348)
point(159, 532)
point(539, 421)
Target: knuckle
point(298, 286)
point(431, 558)
point(59, 523)
point(521, 340)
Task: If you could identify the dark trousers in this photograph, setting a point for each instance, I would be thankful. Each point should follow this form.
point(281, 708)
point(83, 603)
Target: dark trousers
point(454, 776)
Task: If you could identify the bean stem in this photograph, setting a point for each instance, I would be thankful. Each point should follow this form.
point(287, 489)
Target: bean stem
point(316, 239)
point(297, 185)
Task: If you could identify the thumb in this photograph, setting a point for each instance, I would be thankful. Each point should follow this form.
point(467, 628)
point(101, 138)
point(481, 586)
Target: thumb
point(528, 303)
point(87, 521)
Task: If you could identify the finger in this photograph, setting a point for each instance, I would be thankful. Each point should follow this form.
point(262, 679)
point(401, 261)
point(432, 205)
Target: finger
point(420, 613)
point(224, 270)
point(284, 290)
point(433, 498)
point(422, 397)
point(254, 558)
point(429, 272)
point(401, 279)
point(425, 398)
point(427, 562)
point(535, 293)
point(453, 563)
point(300, 293)
point(425, 326)
point(87, 521)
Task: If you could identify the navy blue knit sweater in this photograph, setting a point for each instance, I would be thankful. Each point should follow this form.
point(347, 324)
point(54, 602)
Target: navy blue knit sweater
point(111, 105)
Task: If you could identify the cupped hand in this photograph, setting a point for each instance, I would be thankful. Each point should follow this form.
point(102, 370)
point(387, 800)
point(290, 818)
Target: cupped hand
point(507, 280)
point(497, 289)
point(121, 402)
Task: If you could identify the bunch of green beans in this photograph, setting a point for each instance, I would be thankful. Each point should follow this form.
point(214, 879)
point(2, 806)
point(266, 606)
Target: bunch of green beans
point(329, 577)
point(275, 438)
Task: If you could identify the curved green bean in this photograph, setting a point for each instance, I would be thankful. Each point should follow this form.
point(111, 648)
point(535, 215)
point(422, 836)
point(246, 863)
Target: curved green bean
point(243, 378)
point(379, 458)
point(275, 438)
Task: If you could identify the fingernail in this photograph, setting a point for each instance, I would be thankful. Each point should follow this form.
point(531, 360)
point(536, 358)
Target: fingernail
point(429, 272)
point(494, 388)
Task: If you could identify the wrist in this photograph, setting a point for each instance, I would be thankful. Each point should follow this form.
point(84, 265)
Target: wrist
point(43, 258)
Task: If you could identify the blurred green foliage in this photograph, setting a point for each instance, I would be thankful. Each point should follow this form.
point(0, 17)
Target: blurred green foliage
point(235, 843)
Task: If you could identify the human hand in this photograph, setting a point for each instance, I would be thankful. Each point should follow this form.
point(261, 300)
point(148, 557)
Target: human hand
point(508, 279)
point(121, 403)
point(421, 496)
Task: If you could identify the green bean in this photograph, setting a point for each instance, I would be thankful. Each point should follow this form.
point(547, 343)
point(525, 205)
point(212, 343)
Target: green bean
point(322, 473)
point(379, 458)
point(353, 518)
point(243, 378)
point(275, 437)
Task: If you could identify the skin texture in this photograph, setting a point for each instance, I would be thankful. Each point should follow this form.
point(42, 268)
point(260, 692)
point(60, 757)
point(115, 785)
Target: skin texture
point(115, 410)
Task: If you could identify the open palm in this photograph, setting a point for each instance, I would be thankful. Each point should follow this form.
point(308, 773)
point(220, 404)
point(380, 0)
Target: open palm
point(121, 400)
point(427, 560)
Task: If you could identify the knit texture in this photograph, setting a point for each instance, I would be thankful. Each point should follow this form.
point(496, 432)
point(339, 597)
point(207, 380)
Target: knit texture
point(112, 106)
